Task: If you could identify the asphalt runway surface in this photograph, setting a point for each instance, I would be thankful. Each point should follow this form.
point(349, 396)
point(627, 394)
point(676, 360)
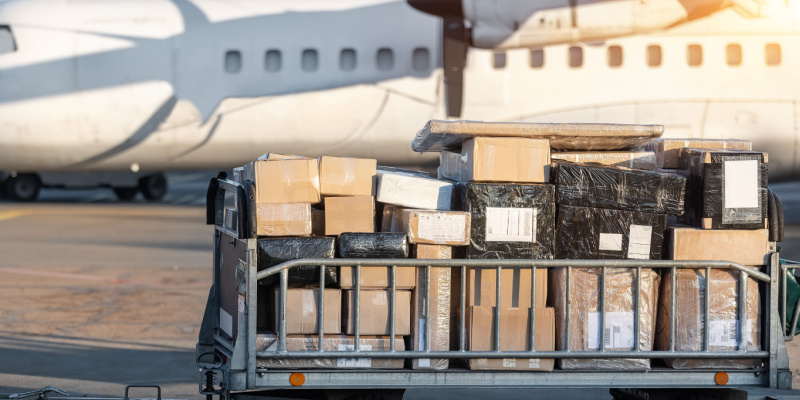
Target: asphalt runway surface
point(96, 294)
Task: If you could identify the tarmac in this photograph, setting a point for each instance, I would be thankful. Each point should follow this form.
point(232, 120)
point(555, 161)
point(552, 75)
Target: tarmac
point(96, 294)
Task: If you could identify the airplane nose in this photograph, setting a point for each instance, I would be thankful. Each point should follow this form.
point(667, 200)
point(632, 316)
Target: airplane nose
point(441, 8)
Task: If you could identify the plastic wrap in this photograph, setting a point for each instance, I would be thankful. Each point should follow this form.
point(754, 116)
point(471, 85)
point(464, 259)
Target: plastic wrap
point(374, 310)
point(275, 251)
point(726, 189)
point(722, 316)
point(451, 166)
point(601, 233)
point(514, 336)
point(439, 318)
point(349, 214)
point(531, 208)
point(520, 160)
point(382, 169)
point(390, 219)
point(746, 247)
point(279, 156)
point(301, 311)
point(344, 176)
point(618, 325)
point(289, 219)
point(436, 227)
point(414, 191)
point(284, 181)
point(438, 135)
point(373, 245)
point(330, 344)
point(619, 188)
point(644, 160)
point(668, 151)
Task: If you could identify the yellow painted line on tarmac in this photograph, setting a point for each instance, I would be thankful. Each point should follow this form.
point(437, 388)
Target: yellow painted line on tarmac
point(4, 216)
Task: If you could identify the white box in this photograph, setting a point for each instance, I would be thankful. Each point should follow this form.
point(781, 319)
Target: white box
point(414, 192)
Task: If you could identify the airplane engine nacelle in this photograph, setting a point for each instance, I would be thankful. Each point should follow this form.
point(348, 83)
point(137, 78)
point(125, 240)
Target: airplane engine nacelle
point(500, 24)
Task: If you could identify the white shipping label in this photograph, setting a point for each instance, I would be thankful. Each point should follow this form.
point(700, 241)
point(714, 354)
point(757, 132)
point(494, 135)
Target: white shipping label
point(511, 224)
point(740, 181)
point(723, 333)
point(424, 362)
point(226, 322)
point(618, 330)
point(534, 363)
point(354, 362)
point(441, 228)
point(611, 241)
point(509, 363)
point(639, 242)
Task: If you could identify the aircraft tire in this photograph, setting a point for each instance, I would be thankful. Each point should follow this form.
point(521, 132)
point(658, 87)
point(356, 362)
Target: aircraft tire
point(154, 187)
point(126, 193)
point(23, 187)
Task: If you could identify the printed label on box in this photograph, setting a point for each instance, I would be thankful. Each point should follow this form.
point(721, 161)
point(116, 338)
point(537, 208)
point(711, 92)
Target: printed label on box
point(723, 333)
point(617, 332)
point(509, 363)
point(511, 224)
point(639, 242)
point(534, 363)
point(354, 362)
point(740, 181)
point(611, 241)
point(441, 228)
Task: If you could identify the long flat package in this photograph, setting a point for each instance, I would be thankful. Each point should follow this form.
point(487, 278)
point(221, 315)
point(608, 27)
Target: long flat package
point(274, 251)
point(434, 314)
point(591, 185)
point(514, 336)
point(510, 220)
point(374, 309)
point(287, 219)
point(346, 176)
point(743, 246)
point(284, 180)
point(438, 135)
point(330, 344)
point(668, 151)
point(602, 233)
point(620, 314)
point(487, 159)
point(436, 227)
point(645, 160)
point(726, 189)
point(373, 245)
point(414, 191)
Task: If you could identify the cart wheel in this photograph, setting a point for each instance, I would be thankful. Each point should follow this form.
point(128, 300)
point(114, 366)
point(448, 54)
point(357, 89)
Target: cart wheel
point(126, 193)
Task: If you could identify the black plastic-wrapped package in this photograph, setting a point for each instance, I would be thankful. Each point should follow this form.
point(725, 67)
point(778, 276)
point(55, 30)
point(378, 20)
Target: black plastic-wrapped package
point(373, 245)
point(619, 188)
point(510, 220)
point(602, 233)
point(272, 252)
point(726, 189)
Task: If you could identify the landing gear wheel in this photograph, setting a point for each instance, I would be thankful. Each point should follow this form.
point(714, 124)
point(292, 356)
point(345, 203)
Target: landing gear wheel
point(126, 193)
point(153, 187)
point(23, 187)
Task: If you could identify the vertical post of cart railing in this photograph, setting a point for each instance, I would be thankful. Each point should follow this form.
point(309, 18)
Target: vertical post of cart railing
point(568, 296)
point(428, 308)
point(672, 308)
point(637, 325)
point(533, 309)
point(601, 318)
point(706, 307)
point(392, 307)
point(462, 332)
point(497, 289)
point(357, 311)
point(321, 308)
point(742, 310)
point(782, 304)
point(284, 288)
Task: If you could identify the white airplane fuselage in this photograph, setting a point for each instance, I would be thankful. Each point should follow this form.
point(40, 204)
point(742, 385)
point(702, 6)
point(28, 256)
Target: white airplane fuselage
point(161, 85)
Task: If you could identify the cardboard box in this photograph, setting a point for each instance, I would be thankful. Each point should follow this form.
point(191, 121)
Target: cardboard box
point(330, 344)
point(514, 336)
point(438, 321)
point(374, 312)
point(344, 176)
point(349, 214)
point(289, 219)
point(377, 278)
point(645, 160)
point(284, 181)
point(746, 247)
point(620, 314)
point(414, 191)
point(515, 287)
point(317, 222)
point(451, 166)
point(302, 312)
point(436, 227)
point(668, 151)
point(723, 317)
point(506, 160)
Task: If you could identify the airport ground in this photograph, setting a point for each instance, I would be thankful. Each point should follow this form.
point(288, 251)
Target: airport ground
point(96, 294)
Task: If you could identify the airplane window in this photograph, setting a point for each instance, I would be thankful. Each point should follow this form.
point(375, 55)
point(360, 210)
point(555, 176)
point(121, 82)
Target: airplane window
point(694, 55)
point(499, 60)
point(537, 58)
point(347, 60)
point(233, 61)
point(7, 44)
point(385, 59)
point(654, 55)
point(614, 56)
point(733, 54)
point(272, 61)
point(309, 61)
point(421, 59)
point(575, 56)
point(772, 53)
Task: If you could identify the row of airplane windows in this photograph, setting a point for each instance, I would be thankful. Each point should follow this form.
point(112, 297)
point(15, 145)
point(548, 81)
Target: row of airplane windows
point(348, 60)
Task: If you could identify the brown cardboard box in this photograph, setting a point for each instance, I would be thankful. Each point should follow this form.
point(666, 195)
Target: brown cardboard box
point(668, 151)
point(331, 344)
point(746, 247)
point(439, 298)
point(284, 181)
point(514, 336)
point(436, 227)
point(723, 317)
point(506, 160)
point(645, 160)
point(345, 176)
point(301, 311)
point(289, 219)
point(317, 222)
point(620, 300)
point(374, 309)
point(377, 278)
point(349, 214)
point(515, 287)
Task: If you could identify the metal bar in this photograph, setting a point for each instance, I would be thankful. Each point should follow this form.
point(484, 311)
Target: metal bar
point(357, 311)
point(637, 324)
point(497, 307)
point(284, 289)
point(777, 349)
point(427, 308)
point(795, 316)
point(392, 306)
point(672, 308)
point(763, 354)
point(321, 308)
point(461, 321)
point(742, 311)
point(601, 318)
point(566, 308)
point(782, 304)
point(532, 338)
point(706, 306)
point(252, 308)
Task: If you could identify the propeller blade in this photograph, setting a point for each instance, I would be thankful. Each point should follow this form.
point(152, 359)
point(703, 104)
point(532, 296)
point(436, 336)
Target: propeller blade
point(454, 56)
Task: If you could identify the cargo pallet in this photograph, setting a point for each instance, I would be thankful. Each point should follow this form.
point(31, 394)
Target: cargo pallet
point(227, 353)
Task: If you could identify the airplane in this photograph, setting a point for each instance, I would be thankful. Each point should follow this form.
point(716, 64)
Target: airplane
point(111, 93)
